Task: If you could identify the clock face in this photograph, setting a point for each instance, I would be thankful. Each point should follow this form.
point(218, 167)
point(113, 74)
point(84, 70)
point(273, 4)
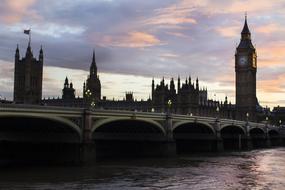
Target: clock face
point(242, 60)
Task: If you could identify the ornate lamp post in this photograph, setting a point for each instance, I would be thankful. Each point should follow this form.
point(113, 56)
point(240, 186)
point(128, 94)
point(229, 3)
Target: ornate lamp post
point(93, 104)
point(169, 103)
point(218, 110)
point(266, 125)
point(247, 126)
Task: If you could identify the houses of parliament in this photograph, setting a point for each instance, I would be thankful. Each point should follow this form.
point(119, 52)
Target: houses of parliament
point(183, 98)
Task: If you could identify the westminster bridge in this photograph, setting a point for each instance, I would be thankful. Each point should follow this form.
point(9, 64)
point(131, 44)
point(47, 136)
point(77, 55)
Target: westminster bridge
point(33, 133)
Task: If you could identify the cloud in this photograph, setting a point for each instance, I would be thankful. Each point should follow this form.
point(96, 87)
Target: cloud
point(172, 15)
point(132, 40)
point(13, 11)
point(269, 29)
point(271, 54)
point(230, 31)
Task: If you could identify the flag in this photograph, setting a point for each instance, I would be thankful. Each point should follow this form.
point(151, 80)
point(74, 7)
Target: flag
point(27, 31)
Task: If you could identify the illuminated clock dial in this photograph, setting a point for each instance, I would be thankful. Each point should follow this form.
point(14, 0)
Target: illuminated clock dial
point(254, 62)
point(242, 60)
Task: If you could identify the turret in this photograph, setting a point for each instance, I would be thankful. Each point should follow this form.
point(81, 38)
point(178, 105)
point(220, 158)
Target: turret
point(41, 55)
point(84, 89)
point(29, 53)
point(172, 86)
point(152, 88)
point(93, 67)
point(17, 54)
point(66, 84)
point(178, 84)
point(245, 33)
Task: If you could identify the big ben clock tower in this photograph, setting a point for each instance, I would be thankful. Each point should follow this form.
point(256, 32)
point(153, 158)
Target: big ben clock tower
point(245, 68)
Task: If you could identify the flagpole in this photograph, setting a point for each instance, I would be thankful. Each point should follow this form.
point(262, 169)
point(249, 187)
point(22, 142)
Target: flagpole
point(30, 36)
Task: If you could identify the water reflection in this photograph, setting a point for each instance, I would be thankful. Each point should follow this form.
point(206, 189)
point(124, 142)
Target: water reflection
point(259, 169)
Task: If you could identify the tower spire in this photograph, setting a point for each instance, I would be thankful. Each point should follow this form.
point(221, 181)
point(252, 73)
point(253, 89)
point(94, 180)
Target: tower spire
point(93, 58)
point(245, 33)
point(93, 67)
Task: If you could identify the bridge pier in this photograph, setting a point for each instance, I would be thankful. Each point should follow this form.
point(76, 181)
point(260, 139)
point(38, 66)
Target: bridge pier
point(249, 144)
point(220, 145)
point(268, 142)
point(88, 153)
point(88, 147)
point(219, 139)
point(170, 144)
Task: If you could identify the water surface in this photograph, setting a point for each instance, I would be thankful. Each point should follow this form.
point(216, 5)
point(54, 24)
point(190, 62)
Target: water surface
point(257, 169)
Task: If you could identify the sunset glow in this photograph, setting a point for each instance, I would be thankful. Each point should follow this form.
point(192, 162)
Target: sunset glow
point(138, 40)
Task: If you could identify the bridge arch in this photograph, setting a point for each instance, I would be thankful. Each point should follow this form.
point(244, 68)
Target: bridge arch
point(100, 123)
point(256, 130)
point(127, 137)
point(62, 123)
point(38, 138)
point(194, 137)
point(274, 137)
point(234, 137)
point(181, 123)
point(273, 132)
point(233, 125)
point(258, 137)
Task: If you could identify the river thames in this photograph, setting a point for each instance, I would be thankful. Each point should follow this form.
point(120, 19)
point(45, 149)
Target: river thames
point(257, 169)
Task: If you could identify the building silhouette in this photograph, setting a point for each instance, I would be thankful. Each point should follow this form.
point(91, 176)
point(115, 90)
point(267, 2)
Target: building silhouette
point(92, 87)
point(188, 98)
point(68, 92)
point(245, 68)
point(28, 77)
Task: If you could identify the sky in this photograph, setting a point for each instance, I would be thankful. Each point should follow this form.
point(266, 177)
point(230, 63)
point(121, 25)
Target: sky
point(137, 40)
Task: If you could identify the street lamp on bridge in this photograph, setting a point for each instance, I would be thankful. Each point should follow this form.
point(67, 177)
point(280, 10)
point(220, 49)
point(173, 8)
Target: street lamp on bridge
point(93, 104)
point(247, 116)
point(218, 110)
point(280, 122)
point(266, 124)
point(169, 103)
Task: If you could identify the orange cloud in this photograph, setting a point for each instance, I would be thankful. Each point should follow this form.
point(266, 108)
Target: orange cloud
point(271, 54)
point(172, 15)
point(268, 29)
point(178, 34)
point(15, 10)
point(230, 31)
point(132, 40)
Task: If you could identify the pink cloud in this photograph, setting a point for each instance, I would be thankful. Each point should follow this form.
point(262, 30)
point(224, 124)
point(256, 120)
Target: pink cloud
point(131, 40)
point(270, 28)
point(231, 31)
point(271, 54)
point(15, 10)
point(175, 14)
